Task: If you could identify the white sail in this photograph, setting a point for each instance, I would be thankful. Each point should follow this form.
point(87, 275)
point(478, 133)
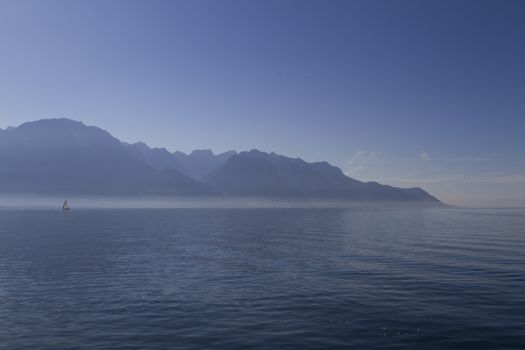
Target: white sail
point(65, 206)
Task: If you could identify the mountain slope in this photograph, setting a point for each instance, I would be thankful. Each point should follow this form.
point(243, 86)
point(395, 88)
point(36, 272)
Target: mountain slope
point(200, 163)
point(195, 165)
point(257, 173)
point(65, 156)
point(158, 158)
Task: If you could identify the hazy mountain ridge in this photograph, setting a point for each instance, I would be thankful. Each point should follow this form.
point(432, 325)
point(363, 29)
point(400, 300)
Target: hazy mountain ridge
point(200, 163)
point(258, 173)
point(65, 156)
point(158, 158)
point(197, 164)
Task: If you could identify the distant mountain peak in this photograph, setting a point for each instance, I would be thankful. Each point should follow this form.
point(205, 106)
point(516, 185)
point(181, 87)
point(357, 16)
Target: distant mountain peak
point(54, 122)
point(202, 152)
point(201, 162)
point(179, 154)
point(140, 144)
point(61, 155)
point(257, 173)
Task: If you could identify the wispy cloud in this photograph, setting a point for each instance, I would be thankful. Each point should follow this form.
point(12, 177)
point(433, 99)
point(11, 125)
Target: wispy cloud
point(469, 159)
point(363, 156)
point(357, 162)
point(424, 155)
point(486, 178)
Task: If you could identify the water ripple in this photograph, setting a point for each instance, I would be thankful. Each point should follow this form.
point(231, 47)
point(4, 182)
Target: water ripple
point(262, 278)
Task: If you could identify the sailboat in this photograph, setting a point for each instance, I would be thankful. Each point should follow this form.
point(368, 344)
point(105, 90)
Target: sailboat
point(65, 206)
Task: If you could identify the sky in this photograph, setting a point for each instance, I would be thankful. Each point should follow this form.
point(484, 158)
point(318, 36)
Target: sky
point(407, 93)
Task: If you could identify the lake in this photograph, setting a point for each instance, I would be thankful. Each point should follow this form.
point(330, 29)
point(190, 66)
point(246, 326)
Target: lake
point(439, 278)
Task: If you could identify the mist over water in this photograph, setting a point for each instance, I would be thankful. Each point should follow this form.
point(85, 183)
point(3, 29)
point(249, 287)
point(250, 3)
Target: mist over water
point(273, 278)
point(167, 202)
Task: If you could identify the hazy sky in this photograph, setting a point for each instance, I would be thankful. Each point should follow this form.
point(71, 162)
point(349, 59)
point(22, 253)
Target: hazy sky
point(408, 93)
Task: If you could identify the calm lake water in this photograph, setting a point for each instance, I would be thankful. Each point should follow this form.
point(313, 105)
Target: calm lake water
point(262, 279)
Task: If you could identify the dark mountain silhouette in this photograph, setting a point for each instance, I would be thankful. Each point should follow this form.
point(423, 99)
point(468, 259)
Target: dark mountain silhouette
point(61, 156)
point(257, 173)
point(65, 156)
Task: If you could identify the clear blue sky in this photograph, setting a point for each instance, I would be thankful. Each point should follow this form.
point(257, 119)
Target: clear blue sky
point(408, 93)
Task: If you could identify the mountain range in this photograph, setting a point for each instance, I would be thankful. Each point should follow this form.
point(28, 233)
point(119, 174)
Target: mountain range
point(62, 156)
